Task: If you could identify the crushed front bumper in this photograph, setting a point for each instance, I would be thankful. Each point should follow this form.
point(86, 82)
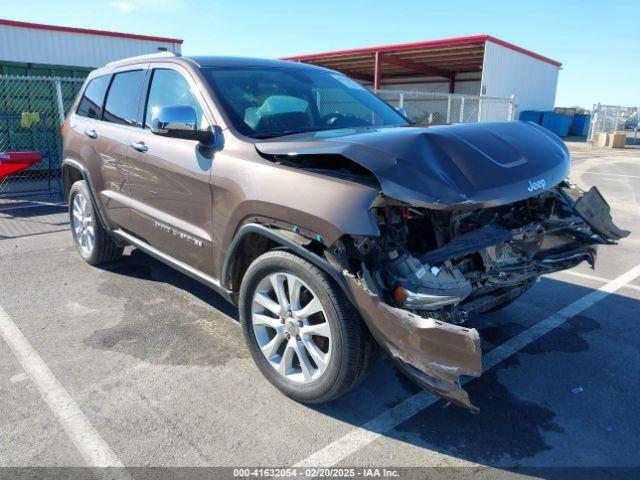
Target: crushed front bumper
point(434, 353)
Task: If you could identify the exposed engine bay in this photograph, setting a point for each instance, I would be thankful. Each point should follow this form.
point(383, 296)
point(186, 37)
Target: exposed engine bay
point(431, 270)
point(453, 265)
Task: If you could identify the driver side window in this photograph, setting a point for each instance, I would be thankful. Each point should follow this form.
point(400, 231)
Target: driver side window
point(170, 88)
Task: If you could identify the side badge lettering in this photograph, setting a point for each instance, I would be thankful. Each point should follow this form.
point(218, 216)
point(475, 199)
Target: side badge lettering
point(177, 233)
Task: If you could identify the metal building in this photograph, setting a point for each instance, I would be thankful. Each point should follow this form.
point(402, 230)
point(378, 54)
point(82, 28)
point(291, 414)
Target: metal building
point(32, 48)
point(473, 65)
point(41, 70)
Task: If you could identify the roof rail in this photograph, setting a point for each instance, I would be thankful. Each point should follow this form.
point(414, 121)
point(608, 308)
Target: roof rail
point(144, 57)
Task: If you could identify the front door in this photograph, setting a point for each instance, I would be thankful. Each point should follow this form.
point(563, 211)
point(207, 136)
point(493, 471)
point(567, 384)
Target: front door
point(171, 199)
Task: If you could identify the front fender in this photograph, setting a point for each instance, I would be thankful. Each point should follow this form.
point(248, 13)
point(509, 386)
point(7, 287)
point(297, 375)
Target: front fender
point(323, 208)
point(285, 241)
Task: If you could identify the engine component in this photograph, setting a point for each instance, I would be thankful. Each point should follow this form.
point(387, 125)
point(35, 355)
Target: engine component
point(424, 287)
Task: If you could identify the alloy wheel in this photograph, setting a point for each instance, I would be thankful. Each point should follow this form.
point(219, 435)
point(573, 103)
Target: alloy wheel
point(291, 327)
point(83, 223)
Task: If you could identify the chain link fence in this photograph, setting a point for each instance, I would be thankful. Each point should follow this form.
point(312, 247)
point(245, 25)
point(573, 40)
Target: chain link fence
point(431, 108)
point(613, 119)
point(31, 112)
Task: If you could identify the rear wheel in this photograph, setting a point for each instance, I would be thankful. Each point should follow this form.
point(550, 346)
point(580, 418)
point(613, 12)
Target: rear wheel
point(303, 334)
point(93, 243)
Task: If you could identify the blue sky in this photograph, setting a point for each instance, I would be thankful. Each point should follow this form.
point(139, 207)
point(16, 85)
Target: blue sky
point(598, 42)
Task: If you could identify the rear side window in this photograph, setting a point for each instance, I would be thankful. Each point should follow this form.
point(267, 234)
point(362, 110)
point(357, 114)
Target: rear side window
point(122, 99)
point(93, 97)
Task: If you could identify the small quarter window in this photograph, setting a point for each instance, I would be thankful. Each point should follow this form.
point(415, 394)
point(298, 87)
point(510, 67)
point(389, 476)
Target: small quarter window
point(93, 97)
point(123, 97)
point(169, 88)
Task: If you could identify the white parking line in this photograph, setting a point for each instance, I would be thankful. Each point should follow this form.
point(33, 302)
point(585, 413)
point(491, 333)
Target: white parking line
point(583, 275)
point(35, 205)
point(605, 174)
point(359, 437)
point(593, 277)
point(84, 436)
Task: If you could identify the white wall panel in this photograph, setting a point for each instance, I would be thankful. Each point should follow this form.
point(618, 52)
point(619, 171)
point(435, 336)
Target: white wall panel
point(468, 87)
point(434, 85)
point(467, 83)
point(507, 72)
point(19, 44)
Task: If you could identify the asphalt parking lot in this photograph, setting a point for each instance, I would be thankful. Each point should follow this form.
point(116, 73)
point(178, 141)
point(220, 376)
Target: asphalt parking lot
point(138, 365)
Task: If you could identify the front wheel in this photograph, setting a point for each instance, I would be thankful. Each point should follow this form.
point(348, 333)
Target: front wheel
point(303, 334)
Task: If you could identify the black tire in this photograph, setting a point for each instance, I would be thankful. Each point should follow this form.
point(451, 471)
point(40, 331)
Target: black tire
point(352, 343)
point(500, 306)
point(104, 249)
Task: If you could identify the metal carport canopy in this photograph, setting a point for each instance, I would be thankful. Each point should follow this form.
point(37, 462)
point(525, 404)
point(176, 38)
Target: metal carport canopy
point(433, 58)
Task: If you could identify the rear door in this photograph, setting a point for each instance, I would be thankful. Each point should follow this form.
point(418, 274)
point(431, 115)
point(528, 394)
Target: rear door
point(94, 150)
point(169, 177)
point(107, 122)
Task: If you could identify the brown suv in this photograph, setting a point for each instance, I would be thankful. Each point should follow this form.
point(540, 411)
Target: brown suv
point(321, 213)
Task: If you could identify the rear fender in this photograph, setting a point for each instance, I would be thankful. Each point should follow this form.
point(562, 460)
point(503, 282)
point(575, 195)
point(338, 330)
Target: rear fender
point(69, 165)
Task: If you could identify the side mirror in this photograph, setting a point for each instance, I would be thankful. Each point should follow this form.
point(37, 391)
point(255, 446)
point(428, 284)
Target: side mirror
point(179, 121)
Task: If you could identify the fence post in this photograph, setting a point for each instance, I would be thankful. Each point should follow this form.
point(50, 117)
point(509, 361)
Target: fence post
point(401, 102)
point(449, 108)
point(461, 109)
point(592, 123)
point(512, 100)
point(59, 101)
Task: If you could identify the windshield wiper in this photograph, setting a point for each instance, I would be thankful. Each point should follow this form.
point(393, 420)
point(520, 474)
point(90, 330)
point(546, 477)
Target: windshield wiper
point(319, 129)
point(289, 132)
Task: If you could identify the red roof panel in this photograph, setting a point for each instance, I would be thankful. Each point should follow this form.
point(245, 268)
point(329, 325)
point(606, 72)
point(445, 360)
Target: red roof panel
point(86, 31)
point(422, 46)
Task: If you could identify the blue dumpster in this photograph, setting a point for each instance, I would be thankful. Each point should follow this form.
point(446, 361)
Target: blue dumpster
point(531, 116)
point(580, 125)
point(558, 124)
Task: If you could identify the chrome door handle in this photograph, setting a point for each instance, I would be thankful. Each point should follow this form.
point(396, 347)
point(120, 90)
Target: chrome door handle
point(140, 146)
point(91, 133)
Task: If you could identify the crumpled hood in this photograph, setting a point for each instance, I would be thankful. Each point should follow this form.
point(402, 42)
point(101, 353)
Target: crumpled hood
point(480, 164)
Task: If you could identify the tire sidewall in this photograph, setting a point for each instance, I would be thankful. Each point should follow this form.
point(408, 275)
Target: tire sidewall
point(80, 187)
point(280, 261)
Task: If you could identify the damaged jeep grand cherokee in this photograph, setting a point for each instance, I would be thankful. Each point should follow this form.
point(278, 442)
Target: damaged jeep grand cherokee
point(321, 213)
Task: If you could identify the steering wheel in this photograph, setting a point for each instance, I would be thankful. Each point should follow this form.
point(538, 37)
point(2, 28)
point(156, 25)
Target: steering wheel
point(332, 118)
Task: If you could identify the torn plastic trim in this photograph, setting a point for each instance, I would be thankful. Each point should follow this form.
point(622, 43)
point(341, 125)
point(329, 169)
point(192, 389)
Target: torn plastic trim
point(435, 353)
point(595, 210)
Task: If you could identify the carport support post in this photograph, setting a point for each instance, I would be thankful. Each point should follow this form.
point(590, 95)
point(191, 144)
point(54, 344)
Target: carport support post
point(377, 76)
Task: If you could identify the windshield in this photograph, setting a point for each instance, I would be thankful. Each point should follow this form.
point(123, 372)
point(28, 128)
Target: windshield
point(270, 102)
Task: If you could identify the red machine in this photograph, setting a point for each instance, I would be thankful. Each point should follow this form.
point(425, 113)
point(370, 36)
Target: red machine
point(12, 162)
